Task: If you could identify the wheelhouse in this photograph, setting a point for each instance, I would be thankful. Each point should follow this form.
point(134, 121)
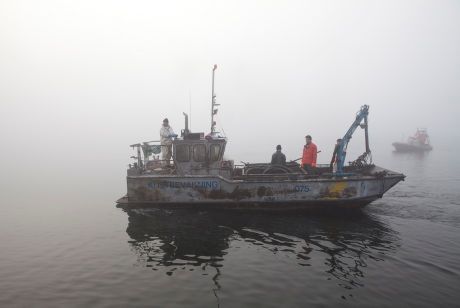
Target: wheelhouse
point(197, 155)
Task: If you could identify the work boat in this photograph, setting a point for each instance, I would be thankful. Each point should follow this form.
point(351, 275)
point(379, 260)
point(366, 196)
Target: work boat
point(420, 142)
point(199, 176)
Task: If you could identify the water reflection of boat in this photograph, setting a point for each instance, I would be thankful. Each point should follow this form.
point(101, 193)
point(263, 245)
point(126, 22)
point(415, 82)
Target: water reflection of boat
point(186, 240)
point(420, 142)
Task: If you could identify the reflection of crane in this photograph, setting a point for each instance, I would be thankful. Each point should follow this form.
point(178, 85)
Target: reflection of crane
point(361, 116)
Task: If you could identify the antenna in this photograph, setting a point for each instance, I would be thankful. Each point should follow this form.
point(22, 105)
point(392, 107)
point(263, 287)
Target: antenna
point(213, 104)
point(190, 107)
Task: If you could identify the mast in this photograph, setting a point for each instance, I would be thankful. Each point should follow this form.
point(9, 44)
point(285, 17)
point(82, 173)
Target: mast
point(213, 104)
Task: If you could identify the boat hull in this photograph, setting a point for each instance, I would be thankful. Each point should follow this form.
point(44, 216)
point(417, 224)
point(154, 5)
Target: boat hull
point(405, 147)
point(326, 205)
point(219, 192)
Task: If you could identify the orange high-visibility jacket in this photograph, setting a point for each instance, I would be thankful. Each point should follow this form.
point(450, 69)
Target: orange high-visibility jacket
point(309, 155)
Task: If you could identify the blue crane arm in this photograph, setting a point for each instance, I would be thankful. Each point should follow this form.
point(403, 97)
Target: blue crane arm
point(341, 152)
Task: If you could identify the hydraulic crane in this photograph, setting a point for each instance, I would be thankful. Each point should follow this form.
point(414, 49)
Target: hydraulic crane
point(361, 116)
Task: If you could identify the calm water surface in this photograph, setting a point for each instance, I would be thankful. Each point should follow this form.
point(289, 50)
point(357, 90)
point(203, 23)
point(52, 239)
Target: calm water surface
point(64, 244)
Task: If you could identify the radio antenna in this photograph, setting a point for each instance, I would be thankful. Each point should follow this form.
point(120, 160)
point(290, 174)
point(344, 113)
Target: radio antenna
point(213, 104)
point(190, 107)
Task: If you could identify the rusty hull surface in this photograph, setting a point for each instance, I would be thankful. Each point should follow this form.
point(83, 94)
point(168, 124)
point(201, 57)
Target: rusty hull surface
point(219, 192)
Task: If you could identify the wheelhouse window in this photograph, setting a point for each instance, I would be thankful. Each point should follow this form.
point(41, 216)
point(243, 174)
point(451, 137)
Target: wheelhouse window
point(182, 152)
point(199, 152)
point(214, 152)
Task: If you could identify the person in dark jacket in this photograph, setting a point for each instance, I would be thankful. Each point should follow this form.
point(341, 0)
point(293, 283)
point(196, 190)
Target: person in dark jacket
point(278, 158)
point(333, 164)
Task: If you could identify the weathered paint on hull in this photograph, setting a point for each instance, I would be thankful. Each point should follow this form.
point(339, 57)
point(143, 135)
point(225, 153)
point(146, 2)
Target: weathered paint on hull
point(218, 192)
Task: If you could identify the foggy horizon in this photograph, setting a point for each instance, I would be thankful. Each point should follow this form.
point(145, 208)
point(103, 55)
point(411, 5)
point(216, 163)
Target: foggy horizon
point(80, 81)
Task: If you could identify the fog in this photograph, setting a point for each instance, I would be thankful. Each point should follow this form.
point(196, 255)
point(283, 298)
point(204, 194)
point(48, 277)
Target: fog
point(81, 80)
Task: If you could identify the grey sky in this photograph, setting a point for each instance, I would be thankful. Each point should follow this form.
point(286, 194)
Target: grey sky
point(95, 76)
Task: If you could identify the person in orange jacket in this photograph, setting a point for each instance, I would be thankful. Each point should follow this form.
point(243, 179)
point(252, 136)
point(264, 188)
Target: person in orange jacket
point(309, 155)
